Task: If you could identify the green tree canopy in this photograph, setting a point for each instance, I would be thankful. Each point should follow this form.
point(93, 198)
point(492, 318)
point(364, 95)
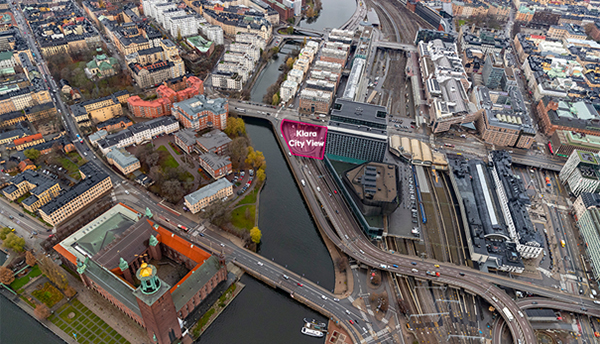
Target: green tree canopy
point(275, 99)
point(4, 232)
point(32, 154)
point(14, 242)
point(255, 235)
point(235, 127)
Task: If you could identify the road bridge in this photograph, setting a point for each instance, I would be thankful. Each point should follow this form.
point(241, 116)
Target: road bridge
point(395, 46)
point(310, 31)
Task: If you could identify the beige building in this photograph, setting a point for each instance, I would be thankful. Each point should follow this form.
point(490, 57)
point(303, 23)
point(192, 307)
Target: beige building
point(218, 190)
point(42, 189)
point(123, 160)
point(94, 183)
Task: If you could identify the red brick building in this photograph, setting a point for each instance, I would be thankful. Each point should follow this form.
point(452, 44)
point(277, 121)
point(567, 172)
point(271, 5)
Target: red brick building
point(119, 270)
point(217, 166)
point(579, 117)
point(167, 95)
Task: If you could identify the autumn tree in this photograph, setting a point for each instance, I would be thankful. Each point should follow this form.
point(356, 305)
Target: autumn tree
point(275, 99)
point(235, 127)
point(255, 234)
point(289, 62)
point(255, 158)
point(30, 258)
point(70, 291)
point(41, 311)
point(6, 275)
point(32, 154)
point(54, 272)
point(14, 242)
point(261, 175)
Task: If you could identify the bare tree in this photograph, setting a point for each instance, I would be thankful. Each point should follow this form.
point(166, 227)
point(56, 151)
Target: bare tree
point(172, 190)
point(55, 273)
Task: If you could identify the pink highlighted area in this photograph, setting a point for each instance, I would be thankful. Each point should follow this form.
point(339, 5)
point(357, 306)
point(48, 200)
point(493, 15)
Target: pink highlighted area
point(303, 139)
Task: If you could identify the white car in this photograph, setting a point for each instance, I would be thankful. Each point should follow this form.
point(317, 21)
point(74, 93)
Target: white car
point(260, 264)
point(324, 297)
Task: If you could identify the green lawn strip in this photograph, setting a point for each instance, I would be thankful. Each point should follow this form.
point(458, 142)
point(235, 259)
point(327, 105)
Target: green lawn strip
point(69, 165)
point(22, 198)
point(169, 161)
point(28, 302)
point(238, 217)
point(200, 324)
point(48, 294)
point(22, 281)
point(186, 176)
point(175, 148)
point(250, 198)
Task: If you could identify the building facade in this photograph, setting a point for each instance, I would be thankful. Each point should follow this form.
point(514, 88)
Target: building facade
point(200, 199)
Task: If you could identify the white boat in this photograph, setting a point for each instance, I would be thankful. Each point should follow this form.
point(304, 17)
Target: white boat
point(313, 333)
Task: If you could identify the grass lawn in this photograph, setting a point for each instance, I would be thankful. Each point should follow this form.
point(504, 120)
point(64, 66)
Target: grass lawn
point(169, 161)
point(22, 198)
point(21, 281)
point(69, 165)
point(250, 198)
point(175, 148)
point(48, 294)
point(88, 326)
point(461, 22)
point(238, 217)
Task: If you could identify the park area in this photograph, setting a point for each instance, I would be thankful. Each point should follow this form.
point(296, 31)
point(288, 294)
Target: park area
point(80, 322)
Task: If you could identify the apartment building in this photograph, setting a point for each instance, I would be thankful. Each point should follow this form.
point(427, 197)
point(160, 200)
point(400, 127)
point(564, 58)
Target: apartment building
point(101, 109)
point(202, 198)
point(138, 133)
point(568, 31)
point(28, 141)
point(580, 116)
point(227, 80)
point(200, 112)
point(313, 101)
point(185, 139)
point(115, 123)
point(287, 90)
point(168, 93)
point(215, 141)
point(94, 183)
point(41, 189)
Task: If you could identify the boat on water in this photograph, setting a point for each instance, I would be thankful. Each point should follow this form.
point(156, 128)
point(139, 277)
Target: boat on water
point(310, 332)
point(314, 322)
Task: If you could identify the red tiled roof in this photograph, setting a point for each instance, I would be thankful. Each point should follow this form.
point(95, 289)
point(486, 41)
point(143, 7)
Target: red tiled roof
point(63, 252)
point(180, 245)
point(26, 139)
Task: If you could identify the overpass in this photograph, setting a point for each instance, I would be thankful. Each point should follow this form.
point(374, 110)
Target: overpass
point(299, 37)
point(539, 162)
point(310, 31)
point(395, 46)
point(528, 303)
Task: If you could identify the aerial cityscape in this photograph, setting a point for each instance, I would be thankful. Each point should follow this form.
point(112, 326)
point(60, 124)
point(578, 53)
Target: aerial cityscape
point(294, 171)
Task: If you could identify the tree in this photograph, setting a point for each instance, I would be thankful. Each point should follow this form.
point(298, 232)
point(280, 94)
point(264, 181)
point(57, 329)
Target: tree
point(179, 35)
point(152, 159)
point(156, 174)
point(54, 272)
point(304, 42)
point(32, 154)
point(217, 213)
point(235, 127)
point(255, 158)
point(4, 232)
point(30, 258)
point(289, 62)
point(6, 275)
point(238, 149)
point(256, 235)
point(14, 242)
point(70, 291)
point(41, 311)
point(172, 190)
point(290, 30)
point(261, 175)
point(342, 263)
point(275, 99)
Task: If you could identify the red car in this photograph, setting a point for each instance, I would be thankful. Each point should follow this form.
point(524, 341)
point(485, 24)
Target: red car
point(351, 321)
point(334, 191)
point(299, 284)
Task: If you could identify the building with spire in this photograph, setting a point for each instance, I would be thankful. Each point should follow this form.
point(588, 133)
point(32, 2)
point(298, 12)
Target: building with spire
point(122, 254)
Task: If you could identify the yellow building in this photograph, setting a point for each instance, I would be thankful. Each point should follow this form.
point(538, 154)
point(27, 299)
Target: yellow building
point(94, 183)
point(197, 200)
point(42, 189)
